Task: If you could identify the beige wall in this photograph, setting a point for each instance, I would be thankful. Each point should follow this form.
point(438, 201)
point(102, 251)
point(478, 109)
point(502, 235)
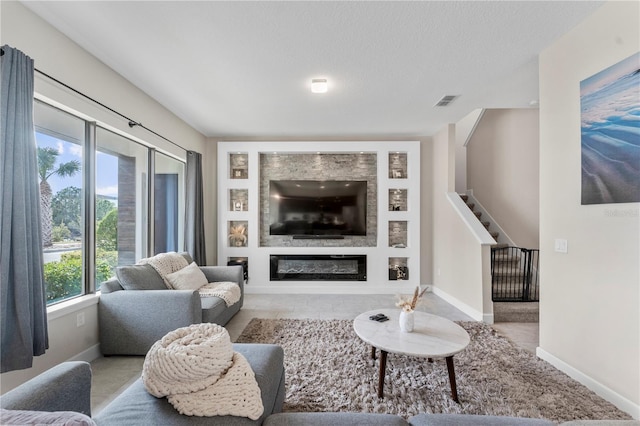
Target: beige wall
point(59, 57)
point(590, 296)
point(464, 129)
point(503, 171)
point(458, 255)
point(426, 211)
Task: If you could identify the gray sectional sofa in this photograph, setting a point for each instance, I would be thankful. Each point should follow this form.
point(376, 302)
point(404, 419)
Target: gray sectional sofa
point(136, 309)
point(66, 388)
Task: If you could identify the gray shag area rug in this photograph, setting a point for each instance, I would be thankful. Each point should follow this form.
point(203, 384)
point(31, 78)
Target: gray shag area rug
point(328, 368)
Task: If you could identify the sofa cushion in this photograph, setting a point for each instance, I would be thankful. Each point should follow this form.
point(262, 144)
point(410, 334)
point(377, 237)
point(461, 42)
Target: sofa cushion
point(474, 420)
point(139, 277)
point(212, 308)
point(58, 418)
point(189, 278)
point(332, 419)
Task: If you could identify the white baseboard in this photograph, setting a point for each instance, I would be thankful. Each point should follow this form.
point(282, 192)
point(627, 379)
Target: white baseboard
point(473, 313)
point(88, 355)
point(610, 395)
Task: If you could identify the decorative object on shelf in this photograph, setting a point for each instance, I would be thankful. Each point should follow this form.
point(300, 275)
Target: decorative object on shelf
point(408, 307)
point(237, 206)
point(237, 236)
point(397, 272)
point(239, 173)
point(397, 174)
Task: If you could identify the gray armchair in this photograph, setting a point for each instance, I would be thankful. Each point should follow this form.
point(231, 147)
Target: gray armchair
point(136, 309)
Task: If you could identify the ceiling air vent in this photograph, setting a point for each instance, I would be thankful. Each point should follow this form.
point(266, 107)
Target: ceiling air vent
point(446, 100)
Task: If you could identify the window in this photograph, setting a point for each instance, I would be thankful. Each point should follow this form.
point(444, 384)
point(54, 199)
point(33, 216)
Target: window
point(95, 202)
point(120, 204)
point(60, 140)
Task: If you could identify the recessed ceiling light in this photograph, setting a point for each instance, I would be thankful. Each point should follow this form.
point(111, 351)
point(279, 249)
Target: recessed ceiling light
point(319, 85)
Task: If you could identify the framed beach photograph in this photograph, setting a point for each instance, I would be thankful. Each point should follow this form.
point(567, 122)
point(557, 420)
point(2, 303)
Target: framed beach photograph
point(610, 134)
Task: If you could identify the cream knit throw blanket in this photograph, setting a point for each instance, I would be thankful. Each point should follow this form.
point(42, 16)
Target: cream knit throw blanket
point(168, 263)
point(196, 369)
point(165, 264)
point(226, 290)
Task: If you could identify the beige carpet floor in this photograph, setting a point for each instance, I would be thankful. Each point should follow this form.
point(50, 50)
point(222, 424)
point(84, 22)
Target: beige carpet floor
point(328, 368)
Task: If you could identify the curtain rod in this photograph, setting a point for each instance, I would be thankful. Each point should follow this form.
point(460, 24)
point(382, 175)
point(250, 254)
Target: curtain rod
point(132, 123)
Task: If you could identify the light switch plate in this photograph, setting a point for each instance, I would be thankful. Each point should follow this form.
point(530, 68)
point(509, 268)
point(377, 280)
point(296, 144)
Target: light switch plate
point(561, 245)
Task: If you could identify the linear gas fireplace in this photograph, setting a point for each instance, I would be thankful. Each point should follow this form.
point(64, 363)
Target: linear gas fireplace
point(318, 267)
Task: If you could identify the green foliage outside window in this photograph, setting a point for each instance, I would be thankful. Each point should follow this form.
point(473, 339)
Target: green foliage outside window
point(61, 233)
point(65, 208)
point(107, 231)
point(63, 278)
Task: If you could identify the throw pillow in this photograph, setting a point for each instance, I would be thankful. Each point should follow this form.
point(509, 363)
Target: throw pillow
point(189, 278)
point(139, 277)
point(58, 418)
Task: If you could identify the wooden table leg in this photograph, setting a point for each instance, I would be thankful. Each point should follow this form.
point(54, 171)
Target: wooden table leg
point(383, 367)
point(452, 378)
point(373, 352)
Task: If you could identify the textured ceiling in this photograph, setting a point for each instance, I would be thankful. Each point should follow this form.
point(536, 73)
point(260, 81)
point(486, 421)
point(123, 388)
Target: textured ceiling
point(243, 69)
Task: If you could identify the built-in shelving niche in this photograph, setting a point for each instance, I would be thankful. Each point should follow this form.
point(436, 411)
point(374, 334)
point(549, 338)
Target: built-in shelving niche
point(398, 200)
point(238, 233)
point(398, 268)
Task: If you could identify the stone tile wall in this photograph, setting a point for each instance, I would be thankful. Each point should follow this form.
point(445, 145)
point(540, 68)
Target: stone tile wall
point(327, 166)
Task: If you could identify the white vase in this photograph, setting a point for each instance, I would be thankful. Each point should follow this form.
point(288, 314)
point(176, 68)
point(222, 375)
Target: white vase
point(406, 321)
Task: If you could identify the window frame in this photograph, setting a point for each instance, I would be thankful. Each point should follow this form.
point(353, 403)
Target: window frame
point(88, 213)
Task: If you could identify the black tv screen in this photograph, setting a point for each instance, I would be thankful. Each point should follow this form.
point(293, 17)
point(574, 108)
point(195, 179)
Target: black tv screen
point(317, 208)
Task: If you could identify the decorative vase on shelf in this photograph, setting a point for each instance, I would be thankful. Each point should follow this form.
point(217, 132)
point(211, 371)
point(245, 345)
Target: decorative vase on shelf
point(406, 321)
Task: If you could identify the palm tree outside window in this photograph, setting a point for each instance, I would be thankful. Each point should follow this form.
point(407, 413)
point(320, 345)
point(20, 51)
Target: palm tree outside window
point(48, 166)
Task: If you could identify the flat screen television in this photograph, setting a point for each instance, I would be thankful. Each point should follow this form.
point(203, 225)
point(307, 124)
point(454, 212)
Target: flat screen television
point(317, 208)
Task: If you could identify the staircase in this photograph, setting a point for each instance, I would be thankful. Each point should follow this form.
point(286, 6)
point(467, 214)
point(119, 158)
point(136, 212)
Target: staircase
point(513, 302)
point(484, 223)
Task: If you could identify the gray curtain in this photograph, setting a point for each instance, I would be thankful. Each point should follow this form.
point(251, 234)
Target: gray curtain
point(194, 220)
point(24, 312)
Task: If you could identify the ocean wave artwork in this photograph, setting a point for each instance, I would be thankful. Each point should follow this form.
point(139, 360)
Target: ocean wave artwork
point(610, 134)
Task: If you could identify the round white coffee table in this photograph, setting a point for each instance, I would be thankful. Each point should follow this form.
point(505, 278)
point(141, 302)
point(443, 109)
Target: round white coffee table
point(432, 337)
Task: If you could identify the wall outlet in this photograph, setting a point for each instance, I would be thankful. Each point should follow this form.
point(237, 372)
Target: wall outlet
point(80, 319)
